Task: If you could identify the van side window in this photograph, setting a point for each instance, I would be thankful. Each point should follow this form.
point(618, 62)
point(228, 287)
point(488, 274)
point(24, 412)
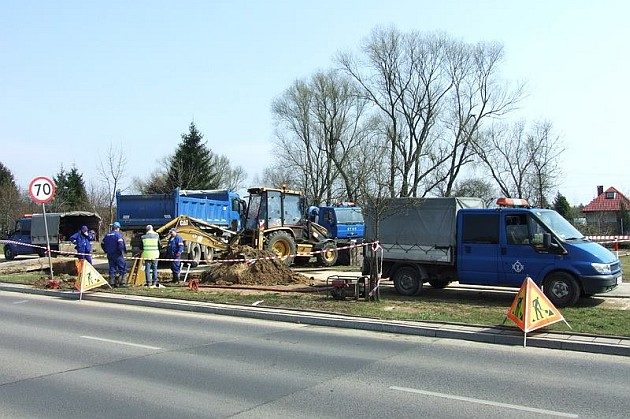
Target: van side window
point(516, 229)
point(480, 228)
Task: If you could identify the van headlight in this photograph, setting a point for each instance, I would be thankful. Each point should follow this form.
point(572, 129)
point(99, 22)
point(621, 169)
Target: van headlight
point(602, 268)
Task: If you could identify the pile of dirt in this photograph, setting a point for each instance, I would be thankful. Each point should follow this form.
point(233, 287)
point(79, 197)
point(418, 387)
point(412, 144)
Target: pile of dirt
point(260, 272)
point(63, 282)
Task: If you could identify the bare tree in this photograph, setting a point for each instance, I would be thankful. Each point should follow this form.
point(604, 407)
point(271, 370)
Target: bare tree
point(111, 170)
point(231, 178)
point(546, 148)
point(320, 125)
point(433, 93)
point(522, 162)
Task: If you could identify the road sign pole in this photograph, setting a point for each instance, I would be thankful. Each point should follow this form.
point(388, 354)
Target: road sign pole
point(47, 240)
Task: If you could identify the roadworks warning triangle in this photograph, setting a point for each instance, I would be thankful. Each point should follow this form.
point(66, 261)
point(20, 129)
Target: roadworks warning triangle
point(87, 277)
point(531, 309)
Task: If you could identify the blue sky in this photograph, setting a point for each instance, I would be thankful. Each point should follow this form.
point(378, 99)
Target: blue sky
point(76, 76)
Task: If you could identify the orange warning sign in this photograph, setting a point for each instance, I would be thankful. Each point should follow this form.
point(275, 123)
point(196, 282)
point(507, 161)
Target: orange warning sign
point(87, 277)
point(531, 309)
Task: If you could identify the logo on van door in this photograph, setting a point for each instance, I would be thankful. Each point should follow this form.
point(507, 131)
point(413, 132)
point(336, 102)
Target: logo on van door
point(518, 267)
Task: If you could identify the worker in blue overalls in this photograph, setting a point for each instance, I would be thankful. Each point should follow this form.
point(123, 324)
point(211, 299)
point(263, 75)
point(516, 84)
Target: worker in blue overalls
point(114, 247)
point(82, 241)
point(175, 248)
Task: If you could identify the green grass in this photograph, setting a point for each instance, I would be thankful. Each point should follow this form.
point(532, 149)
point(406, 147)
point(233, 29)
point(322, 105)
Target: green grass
point(472, 307)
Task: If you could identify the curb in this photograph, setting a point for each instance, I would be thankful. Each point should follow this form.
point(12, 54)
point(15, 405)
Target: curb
point(495, 335)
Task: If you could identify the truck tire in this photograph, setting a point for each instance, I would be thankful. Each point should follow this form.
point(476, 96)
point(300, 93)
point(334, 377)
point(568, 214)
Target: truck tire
point(407, 281)
point(194, 254)
point(282, 244)
point(208, 254)
point(439, 283)
point(328, 255)
point(8, 253)
point(561, 289)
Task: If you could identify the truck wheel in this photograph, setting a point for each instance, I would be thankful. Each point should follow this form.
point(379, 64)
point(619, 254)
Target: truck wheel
point(328, 255)
point(194, 254)
point(439, 282)
point(208, 254)
point(8, 253)
point(282, 244)
point(561, 289)
point(407, 281)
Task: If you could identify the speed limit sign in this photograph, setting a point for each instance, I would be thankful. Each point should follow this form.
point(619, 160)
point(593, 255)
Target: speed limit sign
point(41, 190)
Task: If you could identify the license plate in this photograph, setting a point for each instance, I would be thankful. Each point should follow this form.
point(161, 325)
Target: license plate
point(619, 280)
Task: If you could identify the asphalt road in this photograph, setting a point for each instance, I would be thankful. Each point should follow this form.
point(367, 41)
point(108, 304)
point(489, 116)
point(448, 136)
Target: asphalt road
point(68, 358)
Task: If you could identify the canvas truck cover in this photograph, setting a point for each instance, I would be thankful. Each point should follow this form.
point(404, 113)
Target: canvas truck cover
point(417, 229)
point(62, 225)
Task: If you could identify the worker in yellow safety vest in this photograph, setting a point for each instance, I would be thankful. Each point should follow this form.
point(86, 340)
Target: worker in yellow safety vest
point(150, 246)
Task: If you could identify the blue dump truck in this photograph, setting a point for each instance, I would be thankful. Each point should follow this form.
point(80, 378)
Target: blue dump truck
point(345, 224)
point(30, 229)
point(219, 207)
point(439, 240)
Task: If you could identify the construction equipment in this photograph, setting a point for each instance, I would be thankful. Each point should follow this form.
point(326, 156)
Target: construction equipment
point(202, 240)
point(276, 220)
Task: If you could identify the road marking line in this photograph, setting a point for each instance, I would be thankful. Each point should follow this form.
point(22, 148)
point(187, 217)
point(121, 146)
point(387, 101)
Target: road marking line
point(120, 342)
point(20, 302)
point(486, 402)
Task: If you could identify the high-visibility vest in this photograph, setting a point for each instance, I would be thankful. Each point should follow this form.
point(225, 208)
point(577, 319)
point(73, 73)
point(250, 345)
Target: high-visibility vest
point(150, 246)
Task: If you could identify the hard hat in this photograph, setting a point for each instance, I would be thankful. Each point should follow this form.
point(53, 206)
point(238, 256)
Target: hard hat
point(116, 224)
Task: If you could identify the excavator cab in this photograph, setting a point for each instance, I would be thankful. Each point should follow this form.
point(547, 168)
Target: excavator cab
point(275, 220)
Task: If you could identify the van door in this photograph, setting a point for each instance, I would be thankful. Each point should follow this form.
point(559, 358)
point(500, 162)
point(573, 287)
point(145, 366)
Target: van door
point(522, 250)
point(478, 248)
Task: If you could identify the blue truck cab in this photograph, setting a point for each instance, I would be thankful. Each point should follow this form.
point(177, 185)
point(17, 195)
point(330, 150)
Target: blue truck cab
point(21, 240)
point(344, 222)
point(502, 246)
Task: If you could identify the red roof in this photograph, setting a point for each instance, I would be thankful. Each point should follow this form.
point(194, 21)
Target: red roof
point(601, 203)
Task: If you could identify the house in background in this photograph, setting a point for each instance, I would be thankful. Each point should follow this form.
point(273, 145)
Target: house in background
point(608, 211)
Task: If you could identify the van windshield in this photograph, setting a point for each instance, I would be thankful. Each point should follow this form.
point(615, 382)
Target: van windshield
point(558, 224)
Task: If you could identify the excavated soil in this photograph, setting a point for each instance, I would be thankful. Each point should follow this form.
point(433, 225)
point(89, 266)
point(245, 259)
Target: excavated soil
point(260, 272)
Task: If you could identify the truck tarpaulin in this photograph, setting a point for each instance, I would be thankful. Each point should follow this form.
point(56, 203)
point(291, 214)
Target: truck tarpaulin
point(412, 228)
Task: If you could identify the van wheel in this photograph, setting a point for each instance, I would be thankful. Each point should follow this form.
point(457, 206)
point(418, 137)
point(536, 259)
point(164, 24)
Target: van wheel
point(8, 253)
point(561, 289)
point(407, 281)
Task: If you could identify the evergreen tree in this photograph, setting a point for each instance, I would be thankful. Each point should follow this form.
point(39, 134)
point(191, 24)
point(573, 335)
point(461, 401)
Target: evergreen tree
point(562, 206)
point(193, 164)
point(10, 199)
point(71, 194)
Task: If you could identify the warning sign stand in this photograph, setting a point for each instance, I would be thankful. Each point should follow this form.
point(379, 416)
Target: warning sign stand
point(87, 277)
point(531, 309)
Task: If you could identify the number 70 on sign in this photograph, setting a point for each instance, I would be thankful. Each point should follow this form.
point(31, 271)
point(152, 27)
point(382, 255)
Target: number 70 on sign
point(41, 190)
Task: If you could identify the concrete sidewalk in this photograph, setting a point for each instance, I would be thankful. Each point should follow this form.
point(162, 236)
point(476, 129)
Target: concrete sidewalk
point(496, 335)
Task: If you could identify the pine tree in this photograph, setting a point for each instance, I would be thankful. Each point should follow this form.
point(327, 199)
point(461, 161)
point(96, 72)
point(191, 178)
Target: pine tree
point(562, 206)
point(193, 164)
point(10, 199)
point(71, 194)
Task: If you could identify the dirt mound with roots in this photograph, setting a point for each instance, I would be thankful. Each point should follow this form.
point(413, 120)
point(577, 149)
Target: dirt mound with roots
point(264, 270)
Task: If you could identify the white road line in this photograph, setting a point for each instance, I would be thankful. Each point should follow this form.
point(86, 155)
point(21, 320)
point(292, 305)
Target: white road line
point(486, 402)
point(20, 302)
point(120, 342)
